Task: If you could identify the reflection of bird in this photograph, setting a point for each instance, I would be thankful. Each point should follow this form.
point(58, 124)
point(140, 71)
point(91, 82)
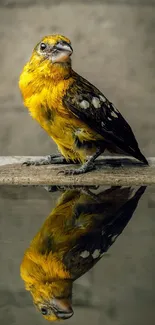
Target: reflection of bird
point(78, 117)
point(79, 230)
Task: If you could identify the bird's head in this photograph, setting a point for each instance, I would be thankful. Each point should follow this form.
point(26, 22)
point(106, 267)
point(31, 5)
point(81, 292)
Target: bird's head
point(56, 49)
point(53, 300)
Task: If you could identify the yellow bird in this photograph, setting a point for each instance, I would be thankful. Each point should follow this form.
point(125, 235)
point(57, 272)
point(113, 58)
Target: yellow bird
point(76, 234)
point(75, 114)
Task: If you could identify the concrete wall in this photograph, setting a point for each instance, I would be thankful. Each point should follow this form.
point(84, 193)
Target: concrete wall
point(114, 46)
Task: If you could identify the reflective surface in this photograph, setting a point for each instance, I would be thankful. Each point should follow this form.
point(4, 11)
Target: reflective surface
point(119, 289)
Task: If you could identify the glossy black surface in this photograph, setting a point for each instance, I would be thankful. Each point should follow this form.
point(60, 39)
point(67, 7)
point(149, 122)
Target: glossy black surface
point(119, 289)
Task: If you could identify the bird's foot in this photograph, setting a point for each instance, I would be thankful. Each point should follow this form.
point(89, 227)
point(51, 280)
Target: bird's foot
point(62, 188)
point(88, 166)
point(51, 188)
point(47, 160)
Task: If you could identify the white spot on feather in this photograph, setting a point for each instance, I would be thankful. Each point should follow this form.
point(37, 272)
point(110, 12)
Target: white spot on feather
point(115, 109)
point(114, 114)
point(85, 254)
point(102, 98)
point(96, 102)
point(84, 104)
point(102, 123)
point(79, 131)
point(96, 253)
point(109, 118)
point(114, 238)
point(102, 254)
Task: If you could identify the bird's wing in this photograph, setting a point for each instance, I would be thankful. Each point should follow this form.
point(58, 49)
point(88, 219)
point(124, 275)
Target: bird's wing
point(89, 105)
point(90, 247)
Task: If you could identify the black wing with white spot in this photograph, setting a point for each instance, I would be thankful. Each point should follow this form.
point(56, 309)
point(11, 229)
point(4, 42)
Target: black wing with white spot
point(88, 104)
point(89, 248)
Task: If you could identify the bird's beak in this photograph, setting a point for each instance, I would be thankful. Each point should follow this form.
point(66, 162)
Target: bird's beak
point(64, 47)
point(62, 308)
point(61, 52)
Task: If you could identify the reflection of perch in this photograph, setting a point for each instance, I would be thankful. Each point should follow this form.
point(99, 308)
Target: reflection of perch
point(123, 171)
point(73, 238)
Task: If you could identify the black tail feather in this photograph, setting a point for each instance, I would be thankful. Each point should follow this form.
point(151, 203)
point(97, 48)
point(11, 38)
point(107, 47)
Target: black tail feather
point(138, 155)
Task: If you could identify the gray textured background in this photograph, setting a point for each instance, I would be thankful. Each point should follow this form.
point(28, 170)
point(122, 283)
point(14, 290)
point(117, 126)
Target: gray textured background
point(114, 47)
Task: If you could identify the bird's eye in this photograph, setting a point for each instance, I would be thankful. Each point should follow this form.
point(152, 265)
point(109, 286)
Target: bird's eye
point(44, 311)
point(43, 46)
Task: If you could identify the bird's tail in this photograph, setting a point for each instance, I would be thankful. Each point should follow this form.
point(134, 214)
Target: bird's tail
point(138, 155)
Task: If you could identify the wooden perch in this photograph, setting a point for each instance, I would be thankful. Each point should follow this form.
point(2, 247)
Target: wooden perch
point(127, 171)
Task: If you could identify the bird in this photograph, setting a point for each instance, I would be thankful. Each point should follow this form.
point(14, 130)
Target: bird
point(74, 113)
point(79, 230)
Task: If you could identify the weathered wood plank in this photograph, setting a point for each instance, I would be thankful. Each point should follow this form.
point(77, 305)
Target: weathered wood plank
point(127, 172)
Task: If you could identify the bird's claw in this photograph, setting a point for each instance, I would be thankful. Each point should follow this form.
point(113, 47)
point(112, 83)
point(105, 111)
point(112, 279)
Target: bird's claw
point(63, 172)
point(47, 160)
point(28, 163)
point(69, 172)
point(35, 162)
point(82, 170)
